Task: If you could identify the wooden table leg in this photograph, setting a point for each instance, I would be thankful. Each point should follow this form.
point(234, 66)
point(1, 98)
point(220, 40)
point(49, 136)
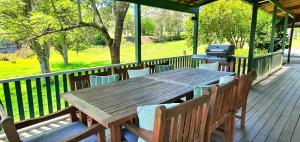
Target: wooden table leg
point(115, 133)
point(101, 135)
point(189, 96)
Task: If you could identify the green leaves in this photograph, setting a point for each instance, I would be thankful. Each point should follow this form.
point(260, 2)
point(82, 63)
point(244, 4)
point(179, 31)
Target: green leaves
point(228, 21)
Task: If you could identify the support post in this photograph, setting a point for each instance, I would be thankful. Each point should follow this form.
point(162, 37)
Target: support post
point(252, 34)
point(291, 41)
point(286, 19)
point(195, 41)
point(137, 31)
point(274, 20)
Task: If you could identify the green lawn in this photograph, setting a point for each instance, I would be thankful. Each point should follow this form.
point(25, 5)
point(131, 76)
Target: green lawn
point(97, 56)
point(296, 42)
point(90, 57)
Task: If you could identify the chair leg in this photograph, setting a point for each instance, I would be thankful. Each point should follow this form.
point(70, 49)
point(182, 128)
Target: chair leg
point(243, 116)
point(228, 130)
point(232, 126)
point(101, 135)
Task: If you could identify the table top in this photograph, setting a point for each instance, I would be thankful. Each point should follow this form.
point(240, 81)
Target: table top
point(112, 103)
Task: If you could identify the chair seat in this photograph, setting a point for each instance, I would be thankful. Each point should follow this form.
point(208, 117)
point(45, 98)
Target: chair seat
point(61, 134)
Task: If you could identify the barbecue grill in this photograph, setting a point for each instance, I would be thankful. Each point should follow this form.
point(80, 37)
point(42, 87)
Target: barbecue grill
point(217, 53)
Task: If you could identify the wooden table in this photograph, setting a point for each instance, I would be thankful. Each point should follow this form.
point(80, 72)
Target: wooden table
point(114, 104)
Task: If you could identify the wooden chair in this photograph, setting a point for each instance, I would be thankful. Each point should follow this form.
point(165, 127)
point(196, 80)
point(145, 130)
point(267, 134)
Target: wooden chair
point(123, 71)
point(10, 128)
point(185, 122)
point(240, 101)
point(83, 81)
point(219, 114)
point(152, 67)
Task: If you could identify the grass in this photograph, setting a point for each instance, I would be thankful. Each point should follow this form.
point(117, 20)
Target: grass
point(296, 43)
point(95, 56)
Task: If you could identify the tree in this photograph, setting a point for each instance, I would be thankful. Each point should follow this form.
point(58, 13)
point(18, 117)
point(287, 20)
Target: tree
point(119, 10)
point(227, 21)
point(26, 22)
point(168, 24)
point(148, 26)
point(21, 20)
point(61, 43)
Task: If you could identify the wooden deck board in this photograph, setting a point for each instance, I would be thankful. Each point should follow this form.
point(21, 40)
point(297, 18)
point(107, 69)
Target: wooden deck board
point(273, 109)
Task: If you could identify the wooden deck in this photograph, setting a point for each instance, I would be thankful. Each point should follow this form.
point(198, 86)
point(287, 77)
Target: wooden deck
point(273, 109)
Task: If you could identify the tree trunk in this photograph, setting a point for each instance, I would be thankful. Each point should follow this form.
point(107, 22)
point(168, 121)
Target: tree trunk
point(114, 54)
point(65, 55)
point(120, 13)
point(43, 54)
point(44, 64)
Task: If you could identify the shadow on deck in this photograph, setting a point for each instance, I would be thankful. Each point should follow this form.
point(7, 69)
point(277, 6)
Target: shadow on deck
point(273, 109)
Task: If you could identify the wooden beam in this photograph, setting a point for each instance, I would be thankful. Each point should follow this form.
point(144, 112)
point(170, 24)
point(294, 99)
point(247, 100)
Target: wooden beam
point(167, 4)
point(252, 34)
point(138, 33)
point(291, 41)
point(281, 7)
point(286, 19)
point(274, 19)
point(195, 39)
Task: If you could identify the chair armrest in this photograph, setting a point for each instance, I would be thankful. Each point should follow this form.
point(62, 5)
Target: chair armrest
point(145, 134)
point(94, 129)
point(29, 122)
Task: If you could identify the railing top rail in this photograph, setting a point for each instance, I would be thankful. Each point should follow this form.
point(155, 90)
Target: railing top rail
point(268, 54)
point(77, 70)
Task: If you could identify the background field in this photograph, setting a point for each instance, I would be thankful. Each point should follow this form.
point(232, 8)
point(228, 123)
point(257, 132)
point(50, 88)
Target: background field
point(99, 56)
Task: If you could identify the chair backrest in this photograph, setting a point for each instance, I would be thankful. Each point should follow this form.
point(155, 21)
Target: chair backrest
point(228, 67)
point(83, 81)
point(8, 126)
point(184, 122)
point(152, 67)
point(123, 71)
point(243, 89)
point(220, 104)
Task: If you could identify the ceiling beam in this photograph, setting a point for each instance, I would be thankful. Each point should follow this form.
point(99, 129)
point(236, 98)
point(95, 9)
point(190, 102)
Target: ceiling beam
point(281, 7)
point(171, 5)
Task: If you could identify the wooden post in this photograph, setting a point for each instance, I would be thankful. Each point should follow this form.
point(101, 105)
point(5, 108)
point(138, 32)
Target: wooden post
point(291, 41)
point(286, 19)
point(195, 41)
point(137, 31)
point(252, 35)
point(274, 20)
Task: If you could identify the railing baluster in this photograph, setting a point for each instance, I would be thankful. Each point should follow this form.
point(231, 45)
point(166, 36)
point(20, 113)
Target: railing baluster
point(65, 82)
point(49, 96)
point(57, 92)
point(239, 66)
point(8, 103)
point(244, 66)
point(39, 95)
point(30, 98)
point(20, 100)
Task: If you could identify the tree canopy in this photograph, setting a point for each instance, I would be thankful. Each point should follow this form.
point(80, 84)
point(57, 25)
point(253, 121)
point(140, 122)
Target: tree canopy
point(228, 21)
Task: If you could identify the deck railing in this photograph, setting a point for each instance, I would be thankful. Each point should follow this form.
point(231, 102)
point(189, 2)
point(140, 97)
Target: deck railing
point(38, 95)
point(268, 63)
